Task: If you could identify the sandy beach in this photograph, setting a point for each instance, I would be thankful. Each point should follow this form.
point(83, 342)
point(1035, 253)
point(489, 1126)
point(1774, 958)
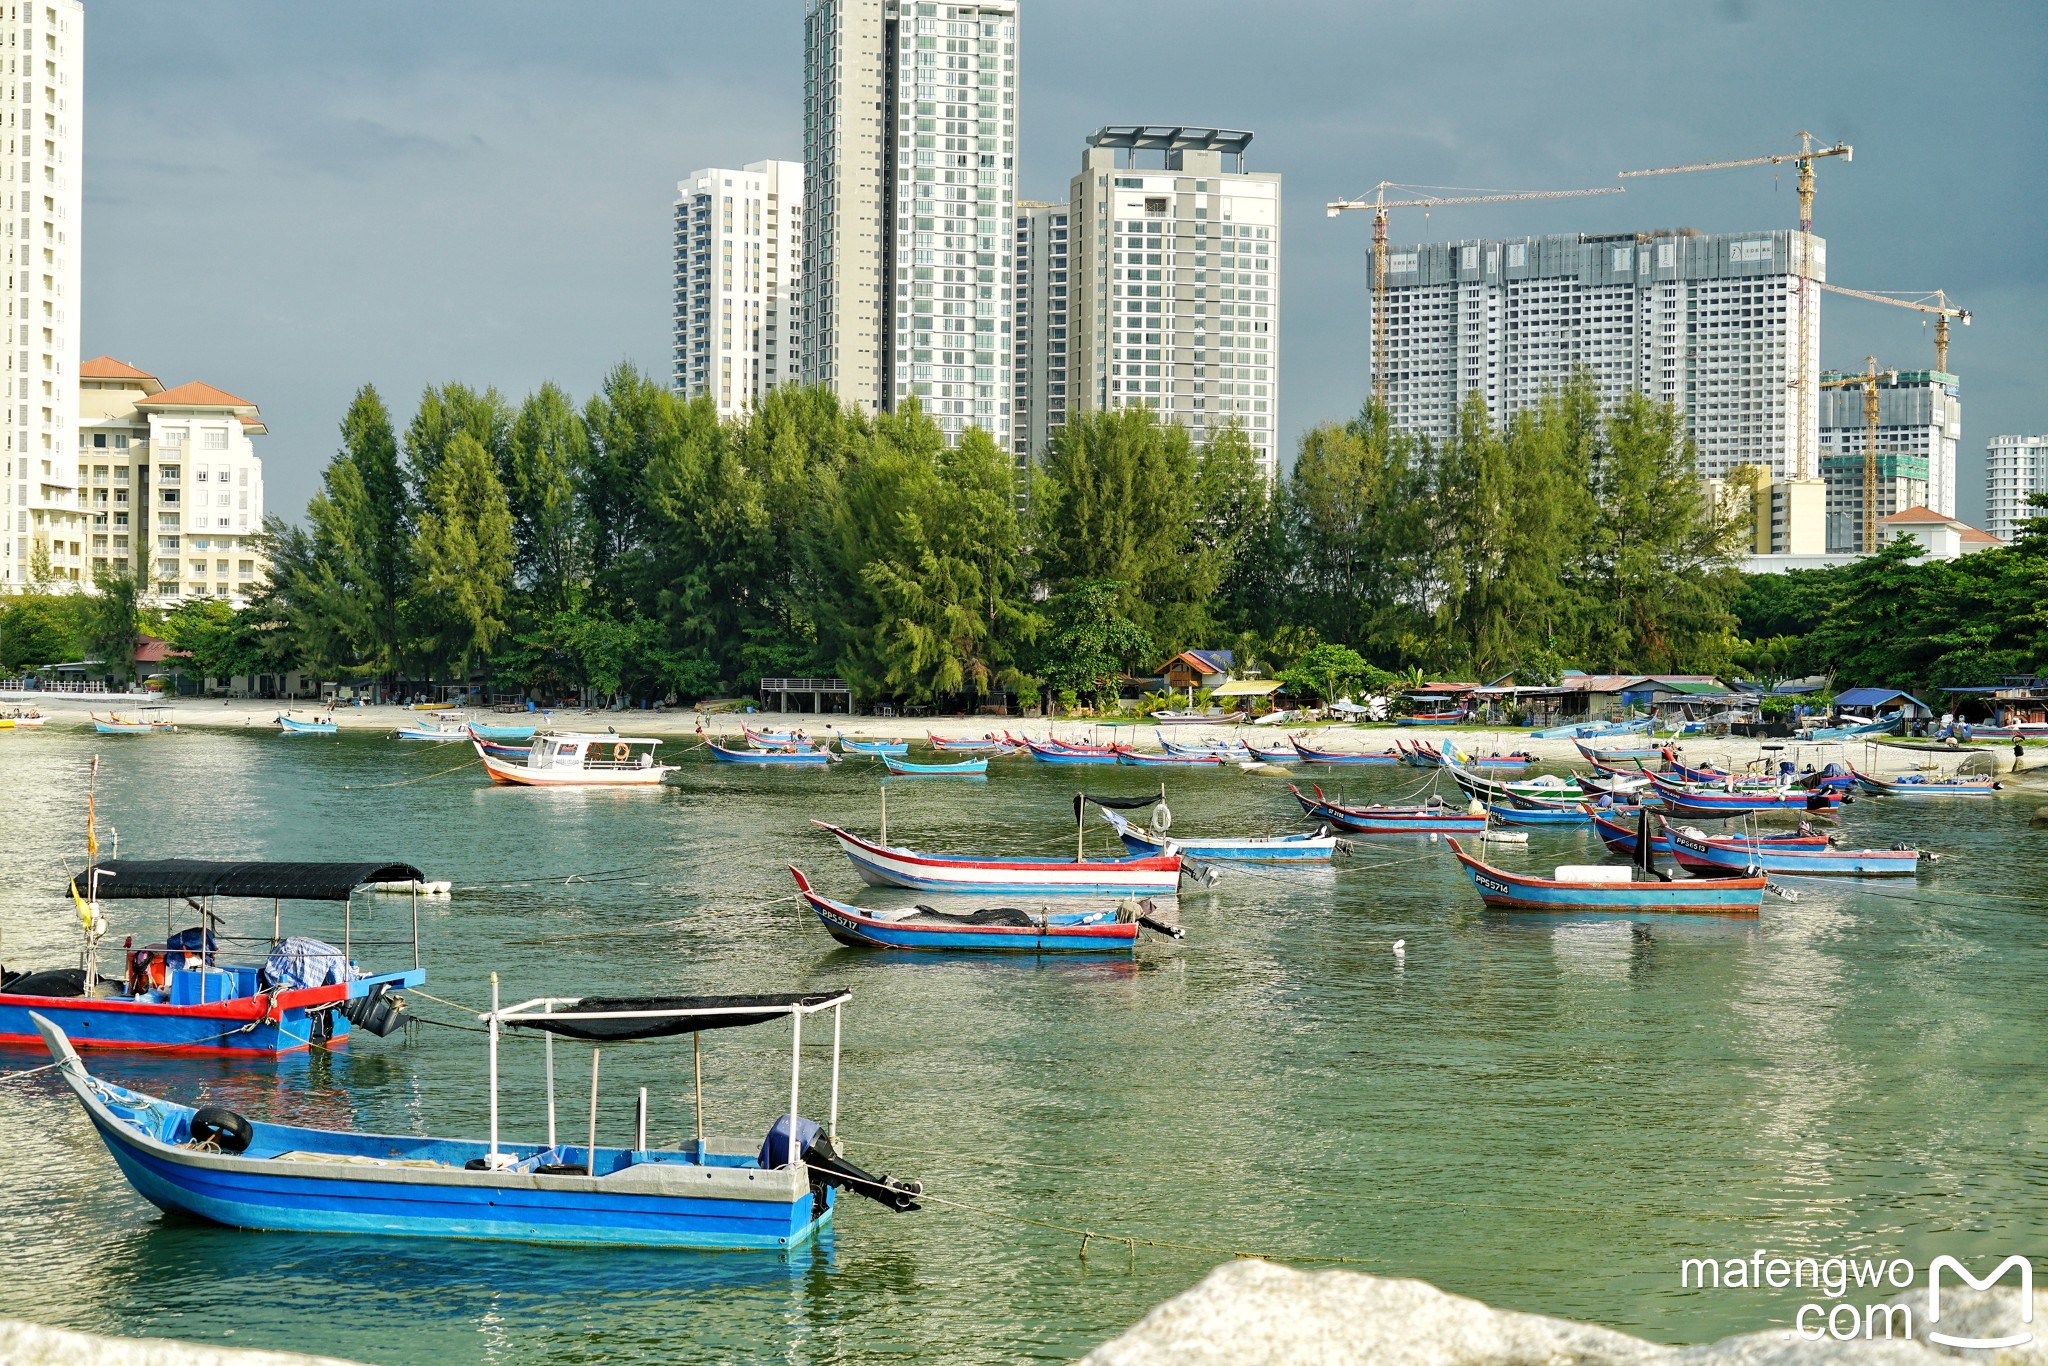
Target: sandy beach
point(1733, 752)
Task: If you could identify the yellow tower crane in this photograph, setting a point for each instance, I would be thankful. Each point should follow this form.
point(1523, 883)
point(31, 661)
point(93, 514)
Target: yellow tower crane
point(1803, 159)
point(1930, 301)
point(1376, 200)
point(1868, 382)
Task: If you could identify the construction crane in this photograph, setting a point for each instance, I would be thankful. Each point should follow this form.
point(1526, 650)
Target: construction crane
point(1804, 159)
point(1868, 382)
point(1376, 200)
point(1929, 301)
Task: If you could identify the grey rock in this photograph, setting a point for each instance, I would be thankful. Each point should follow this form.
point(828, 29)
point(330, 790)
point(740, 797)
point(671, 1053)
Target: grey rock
point(31, 1344)
point(1249, 1313)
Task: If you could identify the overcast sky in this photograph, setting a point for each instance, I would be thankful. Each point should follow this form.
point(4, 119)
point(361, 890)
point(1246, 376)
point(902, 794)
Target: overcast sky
point(289, 200)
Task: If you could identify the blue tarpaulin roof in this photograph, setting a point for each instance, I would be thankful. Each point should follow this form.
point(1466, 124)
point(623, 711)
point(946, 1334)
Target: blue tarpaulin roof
point(1876, 697)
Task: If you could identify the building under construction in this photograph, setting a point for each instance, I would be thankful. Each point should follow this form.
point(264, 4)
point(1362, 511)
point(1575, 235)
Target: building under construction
point(1708, 322)
point(1919, 422)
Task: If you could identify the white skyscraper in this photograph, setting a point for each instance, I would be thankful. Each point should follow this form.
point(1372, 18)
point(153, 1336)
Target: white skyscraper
point(738, 282)
point(1039, 404)
point(910, 143)
point(1919, 422)
point(2015, 466)
point(1708, 323)
point(1177, 283)
point(42, 109)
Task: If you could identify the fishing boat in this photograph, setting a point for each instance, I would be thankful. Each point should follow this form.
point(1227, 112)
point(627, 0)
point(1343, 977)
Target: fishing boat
point(778, 739)
point(1621, 835)
point(22, 720)
point(1920, 785)
point(505, 732)
point(988, 744)
point(1279, 754)
point(1609, 887)
point(1546, 789)
point(1500, 765)
point(964, 768)
point(185, 995)
point(813, 758)
point(291, 726)
point(438, 731)
point(1224, 749)
point(1703, 803)
point(716, 1194)
point(1853, 730)
point(568, 759)
point(1587, 730)
point(1189, 718)
point(1723, 856)
point(994, 929)
point(1435, 818)
point(151, 721)
point(1432, 718)
point(1139, 759)
point(1508, 813)
point(873, 748)
point(1418, 755)
point(1316, 846)
point(885, 865)
point(497, 749)
point(1382, 758)
point(1061, 754)
point(1616, 754)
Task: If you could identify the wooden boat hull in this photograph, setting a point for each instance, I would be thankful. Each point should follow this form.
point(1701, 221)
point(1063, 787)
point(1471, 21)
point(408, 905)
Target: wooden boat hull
point(1609, 755)
point(1318, 847)
point(1715, 858)
point(889, 866)
point(1133, 758)
point(1509, 814)
point(966, 768)
point(1620, 836)
point(506, 732)
point(1504, 891)
point(815, 758)
point(263, 1025)
point(519, 775)
point(874, 748)
point(1885, 787)
point(1382, 759)
point(291, 727)
point(320, 1181)
point(432, 733)
point(1389, 820)
point(857, 929)
point(945, 746)
point(1452, 719)
point(1046, 754)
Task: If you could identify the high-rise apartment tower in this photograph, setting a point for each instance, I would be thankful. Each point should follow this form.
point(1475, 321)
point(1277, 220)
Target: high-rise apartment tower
point(1706, 322)
point(1919, 422)
point(43, 105)
point(910, 152)
point(2015, 466)
point(1038, 405)
point(1176, 275)
point(738, 281)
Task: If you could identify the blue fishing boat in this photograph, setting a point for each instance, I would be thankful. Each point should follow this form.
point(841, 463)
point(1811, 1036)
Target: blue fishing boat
point(987, 745)
point(873, 748)
point(504, 732)
point(498, 749)
point(806, 757)
point(1139, 759)
point(884, 865)
point(1920, 785)
point(1062, 754)
point(1855, 730)
point(1279, 754)
point(1432, 718)
point(1230, 751)
point(1509, 813)
point(1316, 846)
point(1610, 888)
point(435, 732)
point(1587, 730)
point(211, 1163)
point(1618, 829)
point(1616, 754)
point(995, 929)
point(964, 768)
point(116, 724)
point(185, 995)
point(1720, 856)
point(1381, 758)
point(290, 726)
point(1434, 818)
point(1704, 803)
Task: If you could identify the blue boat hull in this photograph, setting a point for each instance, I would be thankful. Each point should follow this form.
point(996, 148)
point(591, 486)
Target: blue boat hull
point(1504, 891)
point(965, 768)
point(864, 932)
point(241, 1026)
point(505, 732)
point(804, 758)
point(1538, 815)
point(1281, 849)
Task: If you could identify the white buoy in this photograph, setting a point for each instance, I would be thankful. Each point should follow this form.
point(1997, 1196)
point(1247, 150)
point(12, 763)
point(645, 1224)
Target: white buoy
point(1400, 948)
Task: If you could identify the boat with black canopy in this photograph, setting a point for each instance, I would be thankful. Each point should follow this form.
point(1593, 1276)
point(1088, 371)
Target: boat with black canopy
point(193, 992)
point(712, 1194)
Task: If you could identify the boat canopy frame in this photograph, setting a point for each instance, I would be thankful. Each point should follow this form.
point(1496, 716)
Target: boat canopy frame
point(666, 1017)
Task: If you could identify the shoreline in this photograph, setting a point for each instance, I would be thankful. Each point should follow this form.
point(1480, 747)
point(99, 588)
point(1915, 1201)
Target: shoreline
point(1733, 752)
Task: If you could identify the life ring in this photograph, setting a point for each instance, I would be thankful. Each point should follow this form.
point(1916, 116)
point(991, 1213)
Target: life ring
point(619, 751)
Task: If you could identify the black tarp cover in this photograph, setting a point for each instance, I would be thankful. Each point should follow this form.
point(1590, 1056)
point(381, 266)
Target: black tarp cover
point(1118, 803)
point(134, 878)
point(661, 1027)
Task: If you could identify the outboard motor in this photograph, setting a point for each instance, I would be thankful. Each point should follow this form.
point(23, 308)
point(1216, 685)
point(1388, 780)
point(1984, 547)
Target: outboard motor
point(377, 1010)
point(830, 1169)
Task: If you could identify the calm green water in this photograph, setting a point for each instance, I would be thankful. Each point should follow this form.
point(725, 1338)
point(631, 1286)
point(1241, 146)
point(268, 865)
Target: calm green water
point(1545, 1114)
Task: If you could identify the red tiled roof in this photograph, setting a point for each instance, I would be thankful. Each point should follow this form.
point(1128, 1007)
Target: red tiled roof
point(106, 367)
point(154, 651)
point(194, 395)
point(1917, 515)
point(1973, 536)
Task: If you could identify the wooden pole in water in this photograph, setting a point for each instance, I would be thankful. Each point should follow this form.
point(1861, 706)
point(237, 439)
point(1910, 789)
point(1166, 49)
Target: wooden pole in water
point(590, 1148)
point(1080, 814)
point(640, 1128)
point(697, 1051)
point(549, 1044)
point(796, 1062)
point(885, 813)
point(494, 1068)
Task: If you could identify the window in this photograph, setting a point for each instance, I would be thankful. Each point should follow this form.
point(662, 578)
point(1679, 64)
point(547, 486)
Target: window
point(171, 437)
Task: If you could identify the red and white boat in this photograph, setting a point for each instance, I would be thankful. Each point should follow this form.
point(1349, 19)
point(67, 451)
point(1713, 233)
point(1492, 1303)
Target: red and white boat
point(573, 760)
point(885, 865)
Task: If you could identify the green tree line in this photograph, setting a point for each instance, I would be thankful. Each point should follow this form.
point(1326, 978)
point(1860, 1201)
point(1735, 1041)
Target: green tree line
point(639, 544)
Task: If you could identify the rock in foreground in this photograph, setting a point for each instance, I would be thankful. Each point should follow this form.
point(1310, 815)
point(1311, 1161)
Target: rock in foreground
point(31, 1344)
